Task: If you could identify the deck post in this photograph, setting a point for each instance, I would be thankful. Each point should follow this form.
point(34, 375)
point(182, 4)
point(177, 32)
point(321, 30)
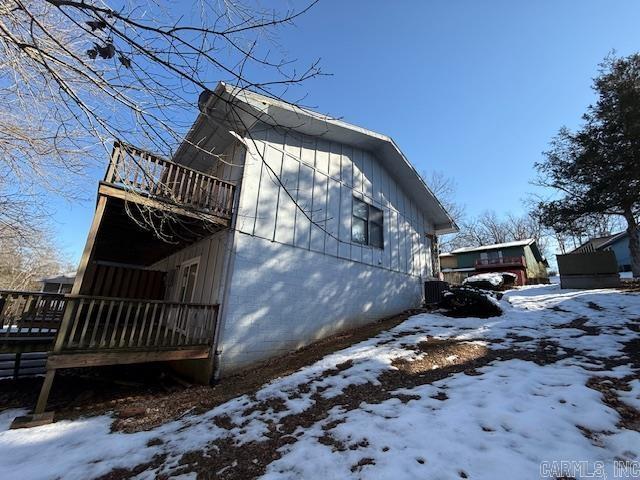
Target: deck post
point(41, 405)
point(39, 417)
point(44, 392)
point(16, 365)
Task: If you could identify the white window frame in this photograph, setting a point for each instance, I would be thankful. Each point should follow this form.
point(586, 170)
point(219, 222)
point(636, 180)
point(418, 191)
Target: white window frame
point(367, 223)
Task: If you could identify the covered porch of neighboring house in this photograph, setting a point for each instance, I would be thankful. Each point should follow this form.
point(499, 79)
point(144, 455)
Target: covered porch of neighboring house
point(142, 292)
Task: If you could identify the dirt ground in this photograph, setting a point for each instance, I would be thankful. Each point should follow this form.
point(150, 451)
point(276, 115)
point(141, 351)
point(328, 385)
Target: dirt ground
point(145, 396)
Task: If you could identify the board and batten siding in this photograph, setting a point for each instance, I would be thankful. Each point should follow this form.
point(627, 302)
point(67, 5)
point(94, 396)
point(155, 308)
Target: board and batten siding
point(292, 283)
point(228, 164)
point(304, 178)
point(210, 253)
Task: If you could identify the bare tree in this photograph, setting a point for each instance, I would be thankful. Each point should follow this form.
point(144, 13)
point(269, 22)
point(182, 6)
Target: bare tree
point(444, 188)
point(490, 228)
point(589, 227)
point(75, 74)
point(23, 265)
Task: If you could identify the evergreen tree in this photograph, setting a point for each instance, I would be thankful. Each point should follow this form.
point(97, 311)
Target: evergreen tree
point(597, 168)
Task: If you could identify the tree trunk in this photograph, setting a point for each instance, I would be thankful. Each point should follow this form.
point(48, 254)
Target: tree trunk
point(634, 243)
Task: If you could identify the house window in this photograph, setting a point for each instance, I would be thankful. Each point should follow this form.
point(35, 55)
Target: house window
point(367, 224)
point(188, 274)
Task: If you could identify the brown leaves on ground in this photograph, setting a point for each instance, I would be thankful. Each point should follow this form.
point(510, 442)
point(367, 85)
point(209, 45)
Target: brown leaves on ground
point(609, 387)
point(436, 359)
point(145, 396)
point(438, 353)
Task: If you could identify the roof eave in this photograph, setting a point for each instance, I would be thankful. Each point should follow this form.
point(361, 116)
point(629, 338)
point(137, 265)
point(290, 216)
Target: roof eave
point(444, 229)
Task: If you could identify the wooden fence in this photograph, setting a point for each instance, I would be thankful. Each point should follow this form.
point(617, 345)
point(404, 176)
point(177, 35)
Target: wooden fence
point(27, 364)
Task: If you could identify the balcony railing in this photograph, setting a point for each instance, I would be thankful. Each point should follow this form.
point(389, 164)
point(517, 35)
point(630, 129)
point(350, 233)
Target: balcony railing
point(30, 314)
point(143, 173)
point(500, 262)
point(103, 324)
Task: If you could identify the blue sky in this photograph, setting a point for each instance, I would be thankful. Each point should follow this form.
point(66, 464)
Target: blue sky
point(475, 89)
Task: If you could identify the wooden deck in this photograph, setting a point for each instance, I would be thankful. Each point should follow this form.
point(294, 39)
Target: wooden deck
point(488, 263)
point(80, 331)
point(84, 331)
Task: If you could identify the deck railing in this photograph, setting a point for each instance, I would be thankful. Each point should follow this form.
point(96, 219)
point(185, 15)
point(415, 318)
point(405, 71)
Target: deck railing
point(144, 173)
point(104, 323)
point(500, 261)
point(30, 314)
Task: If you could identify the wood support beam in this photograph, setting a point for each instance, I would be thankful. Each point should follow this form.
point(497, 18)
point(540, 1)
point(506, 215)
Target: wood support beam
point(88, 247)
point(96, 359)
point(108, 190)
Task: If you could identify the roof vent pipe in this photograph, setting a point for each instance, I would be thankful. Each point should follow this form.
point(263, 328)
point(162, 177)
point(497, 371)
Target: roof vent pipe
point(203, 100)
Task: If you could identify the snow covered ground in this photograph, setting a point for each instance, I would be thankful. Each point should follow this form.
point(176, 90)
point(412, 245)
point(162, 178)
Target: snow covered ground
point(553, 379)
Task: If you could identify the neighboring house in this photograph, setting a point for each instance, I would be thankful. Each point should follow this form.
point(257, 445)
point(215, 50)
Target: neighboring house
point(450, 270)
point(617, 243)
point(592, 245)
point(252, 274)
point(58, 284)
point(448, 261)
point(522, 257)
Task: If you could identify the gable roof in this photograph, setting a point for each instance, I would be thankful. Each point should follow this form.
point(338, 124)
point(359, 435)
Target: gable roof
point(612, 239)
point(242, 109)
point(517, 243)
point(66, 278)
point(594, 243)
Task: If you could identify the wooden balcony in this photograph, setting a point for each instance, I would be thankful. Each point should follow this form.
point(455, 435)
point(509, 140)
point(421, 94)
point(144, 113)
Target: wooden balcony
point(149, 208)
point(499, 262)
point(139, 176)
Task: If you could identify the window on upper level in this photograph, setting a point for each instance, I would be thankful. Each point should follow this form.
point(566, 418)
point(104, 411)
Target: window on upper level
point(367, 224)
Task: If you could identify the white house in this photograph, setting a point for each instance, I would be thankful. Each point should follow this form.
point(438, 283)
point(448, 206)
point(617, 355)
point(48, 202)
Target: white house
point(313, 226)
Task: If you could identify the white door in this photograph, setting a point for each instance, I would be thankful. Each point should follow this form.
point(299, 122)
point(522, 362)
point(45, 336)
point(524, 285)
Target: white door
point(179, 318)
point(187, 280)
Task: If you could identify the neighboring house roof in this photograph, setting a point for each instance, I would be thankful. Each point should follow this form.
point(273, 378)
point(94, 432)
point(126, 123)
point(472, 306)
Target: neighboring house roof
point(593, 244)
point(495, 246)
point(613, 239)
point(260, 108)
point(466, 269)
point(446, 255)
point(66, 278)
